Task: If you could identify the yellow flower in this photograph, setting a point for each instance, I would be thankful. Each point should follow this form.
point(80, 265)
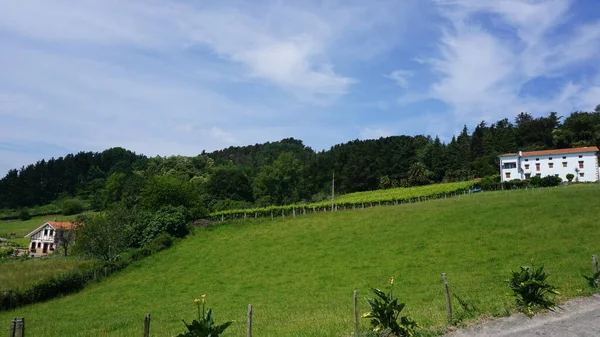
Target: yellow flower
point(392, 280)
point(203, 297)
point(196, 301)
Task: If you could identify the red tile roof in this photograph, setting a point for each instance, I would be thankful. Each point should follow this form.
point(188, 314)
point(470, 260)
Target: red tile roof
point(559, 151)
point(63, 224)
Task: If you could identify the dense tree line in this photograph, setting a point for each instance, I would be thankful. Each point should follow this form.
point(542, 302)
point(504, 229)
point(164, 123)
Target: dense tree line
point(287, 171)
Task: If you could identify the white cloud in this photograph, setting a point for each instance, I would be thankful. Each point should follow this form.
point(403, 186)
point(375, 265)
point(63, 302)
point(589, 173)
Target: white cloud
point(368, 133)
point(400, 77)
point(483, 68)
point(223, 136)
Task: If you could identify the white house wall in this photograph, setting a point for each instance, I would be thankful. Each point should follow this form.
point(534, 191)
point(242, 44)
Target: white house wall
point(527, 165)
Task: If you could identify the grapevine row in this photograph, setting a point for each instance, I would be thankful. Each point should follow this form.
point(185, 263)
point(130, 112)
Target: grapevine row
point(352, 200)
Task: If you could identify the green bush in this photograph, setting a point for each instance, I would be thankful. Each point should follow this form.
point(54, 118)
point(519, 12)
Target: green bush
point(531, 290)
point(550, 181)
point(6, 252)
point(24, 214)
point(161, 242)
point(385, 311)
point(72, 206)
point(570, 177)
point(169, 219)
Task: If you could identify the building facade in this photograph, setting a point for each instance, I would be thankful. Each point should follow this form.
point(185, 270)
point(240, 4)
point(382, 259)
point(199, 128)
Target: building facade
point(43, 239)
point(581, 162)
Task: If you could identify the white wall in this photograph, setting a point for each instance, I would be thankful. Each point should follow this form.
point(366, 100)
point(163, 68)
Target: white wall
point(514, 172)
point(588, 173)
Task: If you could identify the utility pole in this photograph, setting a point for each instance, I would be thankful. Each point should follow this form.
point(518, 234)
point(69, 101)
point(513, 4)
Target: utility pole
point(333, 192)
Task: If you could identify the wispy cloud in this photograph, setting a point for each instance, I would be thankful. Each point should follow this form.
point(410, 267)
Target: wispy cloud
point(400, 77)
point(489, 51)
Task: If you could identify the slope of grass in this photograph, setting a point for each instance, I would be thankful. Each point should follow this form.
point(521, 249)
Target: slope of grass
point(22, 228)
point(21, 274)
point(299, 273)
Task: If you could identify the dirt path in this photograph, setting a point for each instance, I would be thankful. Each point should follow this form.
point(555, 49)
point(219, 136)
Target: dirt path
point(576, 318)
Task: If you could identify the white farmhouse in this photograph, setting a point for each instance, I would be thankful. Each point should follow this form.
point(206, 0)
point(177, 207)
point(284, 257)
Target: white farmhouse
point(581, 162)
point(43, 237)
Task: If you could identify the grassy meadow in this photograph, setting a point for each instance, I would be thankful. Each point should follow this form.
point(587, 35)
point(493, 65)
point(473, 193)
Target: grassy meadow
point(299, 273)
point(22, 274)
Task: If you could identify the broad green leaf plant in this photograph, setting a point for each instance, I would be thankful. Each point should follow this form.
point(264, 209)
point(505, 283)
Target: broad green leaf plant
point(531, 290)
point(385, 314)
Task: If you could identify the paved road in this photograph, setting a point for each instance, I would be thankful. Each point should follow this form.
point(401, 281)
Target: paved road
point(576, 318)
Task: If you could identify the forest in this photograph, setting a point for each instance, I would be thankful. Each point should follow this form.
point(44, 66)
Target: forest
point(286, 171)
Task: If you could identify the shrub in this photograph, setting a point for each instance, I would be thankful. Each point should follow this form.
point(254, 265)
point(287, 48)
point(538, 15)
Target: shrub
point(24, 214)
point(204, 326)
point(550, 181)
point(531, 290)
point(535, 181)
point(385, 311)
point(169, 219)
point(72, 206)
point(161, 242)
point(570, 177)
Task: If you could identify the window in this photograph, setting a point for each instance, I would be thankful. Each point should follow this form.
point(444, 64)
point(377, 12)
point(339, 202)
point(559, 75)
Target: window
point(51, 232)
point(551, 165)
point(538, 174)
point(556, 175)
point(580, 156)
point(526, 159)
point(581, 164)
point(527, 166)
point(581, 174)
point(537, 159)
point(564, 164)
point(39, 244)
point(527, 175)
point(511, 165)
point(564, 157)
point(45, 232)
point(507, 175)
point(537, 167)
point(550, 158)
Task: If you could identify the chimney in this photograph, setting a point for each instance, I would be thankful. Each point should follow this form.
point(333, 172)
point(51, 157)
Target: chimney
point(520, 153)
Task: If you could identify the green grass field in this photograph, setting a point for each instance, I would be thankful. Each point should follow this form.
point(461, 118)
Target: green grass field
point(21, 274)
point(299, 273)
point(22, 228)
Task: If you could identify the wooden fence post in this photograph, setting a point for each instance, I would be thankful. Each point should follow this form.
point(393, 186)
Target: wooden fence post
point(595, 260)
point(147, 325)
point(249, 331)
point(355, 313)
point(448, 299)
point(17, 327)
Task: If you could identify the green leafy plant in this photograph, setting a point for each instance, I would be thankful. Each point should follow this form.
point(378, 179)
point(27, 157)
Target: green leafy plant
point(592, 281)
point(570, 177)
point(204, 326)
point(531, 290)
point(384, 314)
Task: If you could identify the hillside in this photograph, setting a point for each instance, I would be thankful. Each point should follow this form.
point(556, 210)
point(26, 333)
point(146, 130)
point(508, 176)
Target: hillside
point(282, 172)
point(299, 273)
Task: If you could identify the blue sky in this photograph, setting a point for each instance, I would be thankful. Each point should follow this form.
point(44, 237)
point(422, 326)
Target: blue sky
point(181, 76)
